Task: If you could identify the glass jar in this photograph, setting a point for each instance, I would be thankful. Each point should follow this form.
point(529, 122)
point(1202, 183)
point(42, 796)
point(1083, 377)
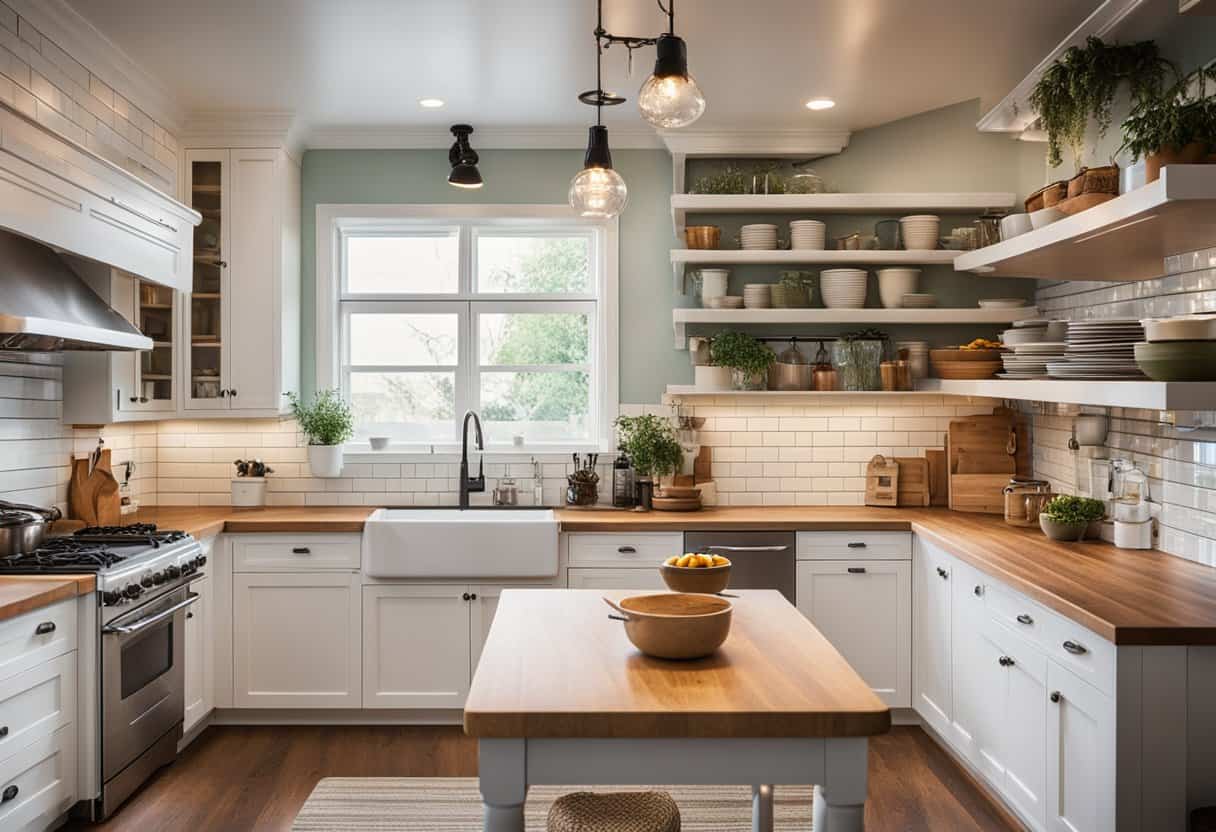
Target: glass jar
point(857, 364)
point(1024, 500)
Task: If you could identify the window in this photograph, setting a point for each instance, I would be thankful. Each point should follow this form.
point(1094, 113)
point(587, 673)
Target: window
point(435, 310)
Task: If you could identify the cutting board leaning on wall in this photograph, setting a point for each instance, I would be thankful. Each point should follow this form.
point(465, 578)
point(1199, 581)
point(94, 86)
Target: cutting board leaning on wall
point(93, 492)
point(982, 453)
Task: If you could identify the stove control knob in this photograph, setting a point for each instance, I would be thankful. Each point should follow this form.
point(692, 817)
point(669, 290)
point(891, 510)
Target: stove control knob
point(146, 579)
point(172, 572)
point(158, 578)
point(132, 590)
point(188, 568)
point(110, 597)
point(201, 560)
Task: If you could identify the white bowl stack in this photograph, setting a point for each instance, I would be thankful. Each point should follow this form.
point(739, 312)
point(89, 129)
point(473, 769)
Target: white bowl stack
point(893, 284)
point(759, 237)
point(808, 235)
point(757, 295)
point(920, 231)
point(843, 288)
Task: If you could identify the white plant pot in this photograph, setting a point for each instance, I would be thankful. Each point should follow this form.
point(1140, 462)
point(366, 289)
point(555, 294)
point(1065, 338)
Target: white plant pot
point(248, 492)
point(708, 377)
point(325, 460)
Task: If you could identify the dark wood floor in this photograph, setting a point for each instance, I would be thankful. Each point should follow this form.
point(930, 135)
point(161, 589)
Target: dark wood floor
point(237, 778)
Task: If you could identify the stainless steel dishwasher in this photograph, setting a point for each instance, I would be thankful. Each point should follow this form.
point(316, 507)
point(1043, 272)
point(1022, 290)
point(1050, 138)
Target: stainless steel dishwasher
point(759, 560)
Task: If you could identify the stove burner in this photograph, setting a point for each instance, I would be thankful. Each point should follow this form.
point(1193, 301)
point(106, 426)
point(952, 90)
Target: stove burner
point(62, 554)
point(135, 534)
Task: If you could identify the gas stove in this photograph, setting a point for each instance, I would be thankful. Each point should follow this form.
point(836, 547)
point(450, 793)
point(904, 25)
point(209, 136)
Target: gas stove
point(131, 563)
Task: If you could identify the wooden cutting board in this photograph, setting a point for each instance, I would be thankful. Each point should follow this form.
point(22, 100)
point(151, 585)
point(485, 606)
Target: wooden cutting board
point(939, 477)
point(979, 462)
point(913, 485)
point(94, 497)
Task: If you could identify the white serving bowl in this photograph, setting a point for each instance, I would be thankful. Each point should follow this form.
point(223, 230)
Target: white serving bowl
point(1045, 216)
point(893, 284)
point(843, 288)
point(1024, 335)
point(920, 231)
point(1184, 328)
point(1015, 224)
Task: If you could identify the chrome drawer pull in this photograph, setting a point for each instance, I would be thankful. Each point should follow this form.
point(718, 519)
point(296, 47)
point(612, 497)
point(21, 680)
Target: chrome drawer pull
point(857, 545)
point(1074, 648)
point(627, 550)
point(301, 550)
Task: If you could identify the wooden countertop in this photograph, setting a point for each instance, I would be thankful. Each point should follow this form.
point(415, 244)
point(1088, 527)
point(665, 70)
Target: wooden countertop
point(1125, 596)
point(555, 665)
point(29, 592)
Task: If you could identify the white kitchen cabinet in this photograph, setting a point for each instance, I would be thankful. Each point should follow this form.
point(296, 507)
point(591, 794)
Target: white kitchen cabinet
point(863, 608)
point(641, 579)
point(1023, 730)
point(416, 642)
point(931, 598)
point(297, 640)
point(973, 675)
point(200, 655)
point(242, 328)
point(481, 614)
point(1080, 787)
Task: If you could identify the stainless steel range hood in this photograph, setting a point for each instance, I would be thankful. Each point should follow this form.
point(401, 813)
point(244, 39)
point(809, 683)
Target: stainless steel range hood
point(47, 307)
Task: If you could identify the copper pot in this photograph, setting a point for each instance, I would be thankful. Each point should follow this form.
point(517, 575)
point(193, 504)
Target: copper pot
point(825, 379)
point(702, 236)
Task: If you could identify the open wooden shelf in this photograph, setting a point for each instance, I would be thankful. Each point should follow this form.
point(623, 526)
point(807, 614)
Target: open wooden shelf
point(683, 258)
point(686, 391)
point(868, 203)
point(680, 318)
point(1145, 395)
point(1127, 238)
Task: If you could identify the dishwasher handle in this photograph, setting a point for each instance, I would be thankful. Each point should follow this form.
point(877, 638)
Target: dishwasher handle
point(747, 548)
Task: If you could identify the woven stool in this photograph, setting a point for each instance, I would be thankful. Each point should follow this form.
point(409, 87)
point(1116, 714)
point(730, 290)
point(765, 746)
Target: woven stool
point(614, 812)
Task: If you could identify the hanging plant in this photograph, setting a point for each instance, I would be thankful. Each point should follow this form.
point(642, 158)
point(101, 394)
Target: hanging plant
point(1179, 124)
point(1083, 83)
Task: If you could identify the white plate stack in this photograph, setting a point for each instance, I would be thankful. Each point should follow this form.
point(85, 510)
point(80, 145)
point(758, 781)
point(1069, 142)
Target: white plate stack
point(757, 295)
point(1029, 360)
point(920, 231)
point(1100, 349)
point(843, 288)
point(759, 237)
point(808, 235)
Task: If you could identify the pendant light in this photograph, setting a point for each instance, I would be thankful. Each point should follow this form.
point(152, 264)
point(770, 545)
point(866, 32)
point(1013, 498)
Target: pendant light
point(463, 159)
point(597, 190)
point(670, 97)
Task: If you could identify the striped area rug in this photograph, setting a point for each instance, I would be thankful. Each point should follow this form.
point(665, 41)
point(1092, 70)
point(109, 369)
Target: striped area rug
point(453, 804)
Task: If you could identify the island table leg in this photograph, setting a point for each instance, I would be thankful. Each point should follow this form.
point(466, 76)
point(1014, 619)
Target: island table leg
point(762, 808)
point(840, 802)
point(501, 771)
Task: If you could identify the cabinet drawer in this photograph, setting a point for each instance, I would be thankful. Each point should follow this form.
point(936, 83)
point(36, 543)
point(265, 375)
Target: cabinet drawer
point(296, 553)
point(37, 703)
point(1088, 655)
point(648, 549)
point(37, 636)
point(43, 773)
point(854, 545)
point(637, 579)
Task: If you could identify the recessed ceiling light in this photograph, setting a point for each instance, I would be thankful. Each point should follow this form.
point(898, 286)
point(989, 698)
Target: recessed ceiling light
point(430, 103)
point(820, 104)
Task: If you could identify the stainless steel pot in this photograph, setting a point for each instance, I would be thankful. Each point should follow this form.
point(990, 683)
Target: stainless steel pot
point(791, 371)
point(26, 528)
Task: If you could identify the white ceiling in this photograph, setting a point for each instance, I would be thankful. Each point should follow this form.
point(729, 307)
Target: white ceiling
point(520, 63)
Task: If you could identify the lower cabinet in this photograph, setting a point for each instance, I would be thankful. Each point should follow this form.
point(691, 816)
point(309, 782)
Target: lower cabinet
point(1080, 755)
point(931, 625)
point(416, 646)
point(200, 656)
point(297, 640)
point(863, 608)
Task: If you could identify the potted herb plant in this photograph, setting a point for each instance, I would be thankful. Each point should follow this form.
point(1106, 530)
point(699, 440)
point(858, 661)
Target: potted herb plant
point(654, 450)
point(1082, 84)
point(1068, 518)
point(327, 422)
point(747, 358)
point(1176, 127)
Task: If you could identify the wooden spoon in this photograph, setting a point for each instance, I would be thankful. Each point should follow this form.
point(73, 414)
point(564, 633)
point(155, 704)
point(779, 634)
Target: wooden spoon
point(624, 615)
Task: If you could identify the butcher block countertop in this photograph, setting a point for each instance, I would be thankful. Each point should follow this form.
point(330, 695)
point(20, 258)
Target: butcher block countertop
point(555, 665)
point(21, 594)
point(1125, 596)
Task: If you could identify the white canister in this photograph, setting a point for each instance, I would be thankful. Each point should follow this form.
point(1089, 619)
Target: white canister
point(248, 492)
point(708, 377)
point(713, 283)
point(1134, 535)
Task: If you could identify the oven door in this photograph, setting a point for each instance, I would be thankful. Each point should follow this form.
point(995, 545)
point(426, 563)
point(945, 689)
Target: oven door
point(142, 678)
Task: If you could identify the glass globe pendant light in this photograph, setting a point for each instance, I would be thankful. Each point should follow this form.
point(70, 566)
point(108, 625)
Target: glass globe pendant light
point(597, 190)
point(670, 97)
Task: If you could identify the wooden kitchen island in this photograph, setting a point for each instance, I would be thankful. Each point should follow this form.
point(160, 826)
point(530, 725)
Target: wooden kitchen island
point(561, 697)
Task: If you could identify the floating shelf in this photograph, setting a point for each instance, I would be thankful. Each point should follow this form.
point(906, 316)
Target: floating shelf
point(686, 391)
point(1145, 395)
point(681, 258)
point(1127, 238)
point(969, 315)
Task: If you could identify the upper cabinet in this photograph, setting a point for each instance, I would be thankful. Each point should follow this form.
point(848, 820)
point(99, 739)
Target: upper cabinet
point(241, 325)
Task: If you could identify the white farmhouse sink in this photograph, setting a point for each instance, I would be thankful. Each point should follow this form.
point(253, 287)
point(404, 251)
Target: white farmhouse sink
point(448, 543)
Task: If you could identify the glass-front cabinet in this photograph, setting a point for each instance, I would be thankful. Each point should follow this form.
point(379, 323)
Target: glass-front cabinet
point(155, 377)
point(205, 342)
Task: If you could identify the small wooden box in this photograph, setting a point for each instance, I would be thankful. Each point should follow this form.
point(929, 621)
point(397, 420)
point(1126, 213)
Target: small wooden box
point(882, 481)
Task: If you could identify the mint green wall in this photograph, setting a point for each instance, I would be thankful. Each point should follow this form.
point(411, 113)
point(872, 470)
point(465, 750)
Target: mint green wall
point(647, 361)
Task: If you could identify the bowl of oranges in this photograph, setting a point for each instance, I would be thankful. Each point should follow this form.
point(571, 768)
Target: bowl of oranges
point(696, 572)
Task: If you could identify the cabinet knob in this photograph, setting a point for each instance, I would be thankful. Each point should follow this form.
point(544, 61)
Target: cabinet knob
point(942, 573)
point(301, 550)
point(223, 393)
point(1025, 619)
point(1074, 648)
point(223, 264)
point(627, 550)
point(472, 596)
point(1006, 661)
point(1055, 696)
point(8, 794)
point(3, 731)
point(979, 591)
point(134, 399)
point(143, 399)
point(465, 597)
point(189, 615)
point(857, 570)
point(232, 392)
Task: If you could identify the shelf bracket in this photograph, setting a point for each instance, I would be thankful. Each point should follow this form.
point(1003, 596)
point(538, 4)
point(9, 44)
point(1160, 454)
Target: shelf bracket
point(678, 215)
point(679, 280)
point(681, 342)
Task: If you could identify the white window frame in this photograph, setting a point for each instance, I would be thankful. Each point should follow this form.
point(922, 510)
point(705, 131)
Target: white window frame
point(336, 221)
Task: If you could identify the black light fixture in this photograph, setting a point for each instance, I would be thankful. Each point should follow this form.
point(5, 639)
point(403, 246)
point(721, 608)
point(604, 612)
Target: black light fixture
point(597, 190)
point(670, 97)
point(463, 159)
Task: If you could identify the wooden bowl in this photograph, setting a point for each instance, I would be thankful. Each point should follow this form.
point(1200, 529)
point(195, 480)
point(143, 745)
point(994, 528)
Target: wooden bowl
point(675, 625)
point(708, 579)
point(966, 369)
point(964, 355)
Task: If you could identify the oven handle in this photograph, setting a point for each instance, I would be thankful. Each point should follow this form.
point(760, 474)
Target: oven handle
point(126, 629)
point(748, 548)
